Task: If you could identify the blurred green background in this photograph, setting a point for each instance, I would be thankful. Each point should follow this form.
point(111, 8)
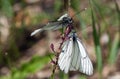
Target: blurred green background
point(26, 57)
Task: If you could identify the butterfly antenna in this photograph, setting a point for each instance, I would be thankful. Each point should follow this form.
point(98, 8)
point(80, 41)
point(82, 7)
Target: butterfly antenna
point(79, 12)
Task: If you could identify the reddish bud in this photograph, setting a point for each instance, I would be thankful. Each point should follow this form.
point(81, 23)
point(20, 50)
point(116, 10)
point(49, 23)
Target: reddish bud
point(52, 47)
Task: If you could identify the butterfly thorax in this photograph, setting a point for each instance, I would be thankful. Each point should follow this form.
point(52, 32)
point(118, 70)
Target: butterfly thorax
point(67, 20)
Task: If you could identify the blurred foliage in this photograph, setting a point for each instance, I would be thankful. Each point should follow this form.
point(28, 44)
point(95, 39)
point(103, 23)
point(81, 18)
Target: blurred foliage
point(103, 16)
point(6, 7)
point(35, 64)
point(75, 4)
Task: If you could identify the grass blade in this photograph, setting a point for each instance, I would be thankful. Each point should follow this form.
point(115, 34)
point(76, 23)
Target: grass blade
point(97, 43)
point(115, 44)
point(118, 12)
point(114, 50)
point(99, 13)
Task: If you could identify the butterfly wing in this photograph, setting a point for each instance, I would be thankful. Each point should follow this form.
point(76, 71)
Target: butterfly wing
point(80, 60)
point(53, 26)
point(64, 60)
point(85, 62)
point(74, 57)
point(49, 26)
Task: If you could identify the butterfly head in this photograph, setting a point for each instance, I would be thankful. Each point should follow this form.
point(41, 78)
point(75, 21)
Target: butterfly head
point(66, 19)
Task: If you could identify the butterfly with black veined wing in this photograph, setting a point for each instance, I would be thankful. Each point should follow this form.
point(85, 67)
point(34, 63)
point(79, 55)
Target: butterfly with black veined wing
point(74, 56)
point(64, 20)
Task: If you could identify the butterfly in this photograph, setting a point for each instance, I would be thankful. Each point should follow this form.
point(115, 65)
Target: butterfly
point(73, 56)
point(61, 22)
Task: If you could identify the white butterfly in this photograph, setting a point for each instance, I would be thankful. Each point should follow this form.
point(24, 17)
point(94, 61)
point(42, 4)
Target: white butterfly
point(63, 21)
point(74, 56)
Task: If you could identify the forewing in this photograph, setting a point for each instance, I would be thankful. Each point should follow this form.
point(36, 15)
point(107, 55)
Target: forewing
point(65, 56)
point(49, 26)
point(85, 64)
point(53, 26)
point(36, 31)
